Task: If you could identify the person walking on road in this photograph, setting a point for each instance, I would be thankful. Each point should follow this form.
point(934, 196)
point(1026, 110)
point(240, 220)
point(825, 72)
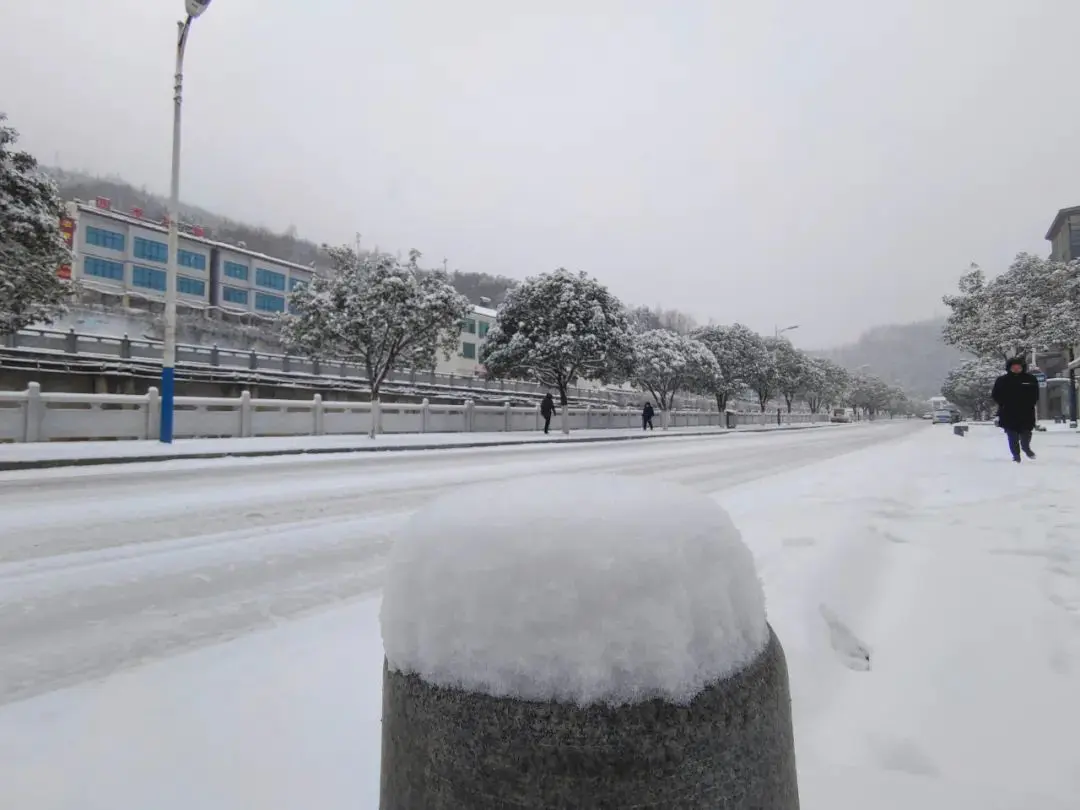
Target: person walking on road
point(646, 416)
point(547, 408)
point(1017, 393)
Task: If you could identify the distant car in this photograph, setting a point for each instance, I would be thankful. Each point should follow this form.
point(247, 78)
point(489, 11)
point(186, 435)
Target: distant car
point(943, 417)
point(927, 416)
point(840, 415)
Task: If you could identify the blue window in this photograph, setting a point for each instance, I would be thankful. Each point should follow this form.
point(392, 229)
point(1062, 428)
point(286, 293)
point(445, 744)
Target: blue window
point(148, 277)
point(236, 270)
point(264, 302)
point(151, 251)
point(102, 268)
point(295, 282)
point(187, 258)
point(110, 240)
point(269, 279)
point(190, 286)
point(234, 295)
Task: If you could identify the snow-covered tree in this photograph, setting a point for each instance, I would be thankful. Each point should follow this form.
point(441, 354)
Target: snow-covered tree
point(1035, 304)
point(869, 394)
point(970, 383)
point(741, 356)
point(557, 328)
point(32, 247)
point(824, 384)
point(379, 311)
point(792, 368)
point(666, 363)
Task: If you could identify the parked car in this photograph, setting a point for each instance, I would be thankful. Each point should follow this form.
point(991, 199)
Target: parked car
point(840, 415)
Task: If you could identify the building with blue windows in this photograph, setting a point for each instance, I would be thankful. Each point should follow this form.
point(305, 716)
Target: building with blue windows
point(128, 254)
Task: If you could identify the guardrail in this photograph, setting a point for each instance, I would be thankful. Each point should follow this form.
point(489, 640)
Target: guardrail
point(146, 350)
point(35, 416)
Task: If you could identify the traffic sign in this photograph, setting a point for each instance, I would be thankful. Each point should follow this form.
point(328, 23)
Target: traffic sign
point(1041, 377)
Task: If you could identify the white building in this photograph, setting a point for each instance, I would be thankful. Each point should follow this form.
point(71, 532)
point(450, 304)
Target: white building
point(124, 252)
point(474, 329)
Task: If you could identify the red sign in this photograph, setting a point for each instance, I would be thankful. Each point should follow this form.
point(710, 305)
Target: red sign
point(137, 212)
point(197, 230)
point(67, 228)
point(104, 203)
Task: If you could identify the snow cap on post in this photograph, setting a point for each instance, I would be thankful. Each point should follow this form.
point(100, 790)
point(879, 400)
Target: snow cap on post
point(579, 589)
point(581, 641)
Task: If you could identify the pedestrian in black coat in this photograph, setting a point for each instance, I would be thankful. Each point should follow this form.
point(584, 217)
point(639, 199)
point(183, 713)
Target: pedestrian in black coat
point(646, 416)
point(547, 408)
point(1017, 394)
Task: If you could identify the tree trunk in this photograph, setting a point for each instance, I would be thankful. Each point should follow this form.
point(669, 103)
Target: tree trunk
point(789, 401)
point(721, 402)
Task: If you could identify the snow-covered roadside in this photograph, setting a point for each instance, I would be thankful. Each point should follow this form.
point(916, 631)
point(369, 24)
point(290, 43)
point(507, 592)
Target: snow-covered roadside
point(955, 571)
point(928, 597)
point(13, 455)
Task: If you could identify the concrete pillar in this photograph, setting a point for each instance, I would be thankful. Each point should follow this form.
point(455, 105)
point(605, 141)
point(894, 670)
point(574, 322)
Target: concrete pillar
point(509, 689)
point(731, 748)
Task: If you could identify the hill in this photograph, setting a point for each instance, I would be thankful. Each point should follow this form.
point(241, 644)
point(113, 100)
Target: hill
point(913, 355)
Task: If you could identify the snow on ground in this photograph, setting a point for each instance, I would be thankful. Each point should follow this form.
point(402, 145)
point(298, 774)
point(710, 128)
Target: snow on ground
point(926, 590)
point(63, 451)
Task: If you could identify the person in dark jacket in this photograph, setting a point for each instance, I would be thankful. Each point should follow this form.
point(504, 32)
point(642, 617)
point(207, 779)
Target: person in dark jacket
point(547, 408)
point(1017, 393)
point(646, 416)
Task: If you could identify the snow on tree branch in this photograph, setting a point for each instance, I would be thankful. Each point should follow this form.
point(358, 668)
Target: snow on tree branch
point(1035, 304)
point(556, 328)
point(32, 247)
point(374, 308)
point(741, 357)
point(666, 363)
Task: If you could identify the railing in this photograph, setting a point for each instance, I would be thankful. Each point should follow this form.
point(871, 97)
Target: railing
point(142, 349)
point(35, 416)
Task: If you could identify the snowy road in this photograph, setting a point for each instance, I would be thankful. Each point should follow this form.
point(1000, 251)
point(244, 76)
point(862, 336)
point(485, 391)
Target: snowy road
point(104, 568)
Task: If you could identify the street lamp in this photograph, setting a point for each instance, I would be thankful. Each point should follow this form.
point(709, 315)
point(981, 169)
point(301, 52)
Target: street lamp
point(194, 9)
point(780, 331)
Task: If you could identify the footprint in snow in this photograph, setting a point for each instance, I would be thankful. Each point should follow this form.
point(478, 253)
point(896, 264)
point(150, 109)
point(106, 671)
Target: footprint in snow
point(852, 652)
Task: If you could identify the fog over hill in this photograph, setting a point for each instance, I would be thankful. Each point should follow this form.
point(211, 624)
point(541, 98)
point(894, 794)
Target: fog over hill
point(913, 355)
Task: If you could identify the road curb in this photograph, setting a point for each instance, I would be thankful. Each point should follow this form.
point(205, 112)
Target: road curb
point(100, 461)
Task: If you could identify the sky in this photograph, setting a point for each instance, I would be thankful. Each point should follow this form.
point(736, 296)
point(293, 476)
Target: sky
point(835, 164)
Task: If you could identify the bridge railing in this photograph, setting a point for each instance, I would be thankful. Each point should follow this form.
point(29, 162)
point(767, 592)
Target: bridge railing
point(36, 416)
point(145, 349)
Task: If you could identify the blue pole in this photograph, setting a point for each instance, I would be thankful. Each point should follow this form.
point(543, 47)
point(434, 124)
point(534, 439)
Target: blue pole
point(168, 392)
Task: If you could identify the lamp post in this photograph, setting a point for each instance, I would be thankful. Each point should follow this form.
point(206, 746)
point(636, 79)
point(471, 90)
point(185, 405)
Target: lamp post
point(194, 8)
point(778, 332)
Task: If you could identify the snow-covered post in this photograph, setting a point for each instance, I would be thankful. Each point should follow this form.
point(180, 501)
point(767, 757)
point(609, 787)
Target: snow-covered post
point(35, 411)
point(317, 415)
point(153, 413)
point(425, 414)
point(508, 417)
point(539, 417)
point(245, 414)
point(526, 670)
point(467, 415)
point(376, 418)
